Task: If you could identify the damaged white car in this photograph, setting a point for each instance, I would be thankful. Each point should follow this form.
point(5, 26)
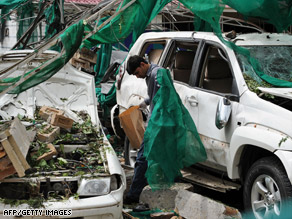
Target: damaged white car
point(244, 123)
point(90, 181)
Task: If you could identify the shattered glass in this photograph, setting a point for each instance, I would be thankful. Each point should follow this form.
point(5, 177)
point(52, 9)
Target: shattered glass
point(274, 61)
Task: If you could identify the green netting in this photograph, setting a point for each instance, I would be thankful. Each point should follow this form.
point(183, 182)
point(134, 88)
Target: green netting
point(6, 6)
point(53, 19)
point(135, 18)
point(26, 16)
point(11, 4)
point(71, 40)
point(171, 138)
point(276, 12)
point(132, 20)
point(103, 61)
point(165, 154)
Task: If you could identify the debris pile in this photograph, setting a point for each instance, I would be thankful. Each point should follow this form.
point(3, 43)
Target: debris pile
point(84, 59)
point(52, 146)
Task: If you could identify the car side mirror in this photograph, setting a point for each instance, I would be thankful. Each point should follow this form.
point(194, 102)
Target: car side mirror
point(223, 112)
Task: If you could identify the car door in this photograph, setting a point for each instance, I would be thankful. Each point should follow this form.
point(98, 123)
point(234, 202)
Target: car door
point(180, 61)
point(215, 80)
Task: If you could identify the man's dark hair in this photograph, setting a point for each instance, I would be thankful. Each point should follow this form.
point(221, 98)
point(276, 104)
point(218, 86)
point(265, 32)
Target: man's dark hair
point(133, 63)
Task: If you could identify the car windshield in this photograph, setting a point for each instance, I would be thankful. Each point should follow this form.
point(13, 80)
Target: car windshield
point(274, 61)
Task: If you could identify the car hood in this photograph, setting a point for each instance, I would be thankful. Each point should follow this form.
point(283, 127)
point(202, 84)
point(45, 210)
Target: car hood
point(279, 92)
point(69, 89)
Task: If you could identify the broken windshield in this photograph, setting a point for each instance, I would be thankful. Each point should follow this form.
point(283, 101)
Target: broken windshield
point(274, 61)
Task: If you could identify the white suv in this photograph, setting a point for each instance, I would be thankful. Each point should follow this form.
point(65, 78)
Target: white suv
point(245, 127)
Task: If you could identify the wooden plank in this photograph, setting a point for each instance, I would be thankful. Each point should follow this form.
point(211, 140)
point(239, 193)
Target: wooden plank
point(18, 152)
point(209, 181)
point(18, 131)
point(7, 172)
point(15, 142)
point(12, 156)
point(2, 153)
point(4, 163)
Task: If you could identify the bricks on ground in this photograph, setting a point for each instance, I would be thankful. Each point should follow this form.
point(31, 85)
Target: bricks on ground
point(45, 112)
point(61, 121)
point(56, 117)
point(50, 136)
point(48, 155)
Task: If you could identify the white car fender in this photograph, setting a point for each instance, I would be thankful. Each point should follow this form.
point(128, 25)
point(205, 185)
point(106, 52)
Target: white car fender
point(286, 159)
point(264, 138)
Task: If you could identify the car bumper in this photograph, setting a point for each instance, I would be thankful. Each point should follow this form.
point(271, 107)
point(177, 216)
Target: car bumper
point(106, 206)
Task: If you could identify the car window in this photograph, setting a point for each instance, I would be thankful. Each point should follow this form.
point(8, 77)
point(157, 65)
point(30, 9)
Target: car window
point(216, 73)
point(152, 51)
point(180, 60)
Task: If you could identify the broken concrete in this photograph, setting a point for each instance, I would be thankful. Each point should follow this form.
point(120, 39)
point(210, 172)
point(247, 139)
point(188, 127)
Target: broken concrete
point(191, 205)
point(165, 198)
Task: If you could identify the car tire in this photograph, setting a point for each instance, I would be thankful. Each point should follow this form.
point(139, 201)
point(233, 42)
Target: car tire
point(130, 154)
point(266, 187)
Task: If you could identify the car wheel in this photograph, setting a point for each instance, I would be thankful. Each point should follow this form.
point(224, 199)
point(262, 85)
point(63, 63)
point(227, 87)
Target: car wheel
point(130, 154)
point(266, 188)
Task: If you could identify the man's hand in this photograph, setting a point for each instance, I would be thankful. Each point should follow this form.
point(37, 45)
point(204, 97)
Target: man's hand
point(142, 105)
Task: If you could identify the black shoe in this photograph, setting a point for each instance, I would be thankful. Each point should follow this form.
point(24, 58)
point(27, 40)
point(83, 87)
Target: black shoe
point(129, 201)
point(141, 207)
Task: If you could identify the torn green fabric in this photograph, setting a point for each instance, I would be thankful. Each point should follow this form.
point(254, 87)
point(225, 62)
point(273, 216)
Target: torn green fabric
point(53, 18)
point(103, 61)
point(71, 40)
point(278, 13)
point(26, 16)
point(134, 19)
point(11, 3)
point(171, 139)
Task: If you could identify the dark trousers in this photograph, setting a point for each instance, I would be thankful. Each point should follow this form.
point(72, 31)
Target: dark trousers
point(139, 180)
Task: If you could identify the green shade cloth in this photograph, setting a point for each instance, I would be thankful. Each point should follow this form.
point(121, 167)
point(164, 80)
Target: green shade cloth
point(276, 12)
point(171, 138)
point(26, 15)
point(103, 61)
point(71, 40)
point(53, 19)
point(136, 17)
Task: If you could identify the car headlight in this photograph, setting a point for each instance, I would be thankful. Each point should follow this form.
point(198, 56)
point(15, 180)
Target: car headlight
point(94, 187)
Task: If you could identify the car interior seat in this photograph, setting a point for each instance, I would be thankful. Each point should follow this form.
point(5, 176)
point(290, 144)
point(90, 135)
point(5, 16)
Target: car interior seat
point(183, 65)
point(218, 76)
point(154, 55)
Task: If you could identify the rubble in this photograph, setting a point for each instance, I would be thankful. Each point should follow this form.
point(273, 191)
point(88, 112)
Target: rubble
point(164, 198)
point(84, 59)
point(48, 134)
point(74, 150)
point(192, 205)
point(61, 121)
point(45, 112)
